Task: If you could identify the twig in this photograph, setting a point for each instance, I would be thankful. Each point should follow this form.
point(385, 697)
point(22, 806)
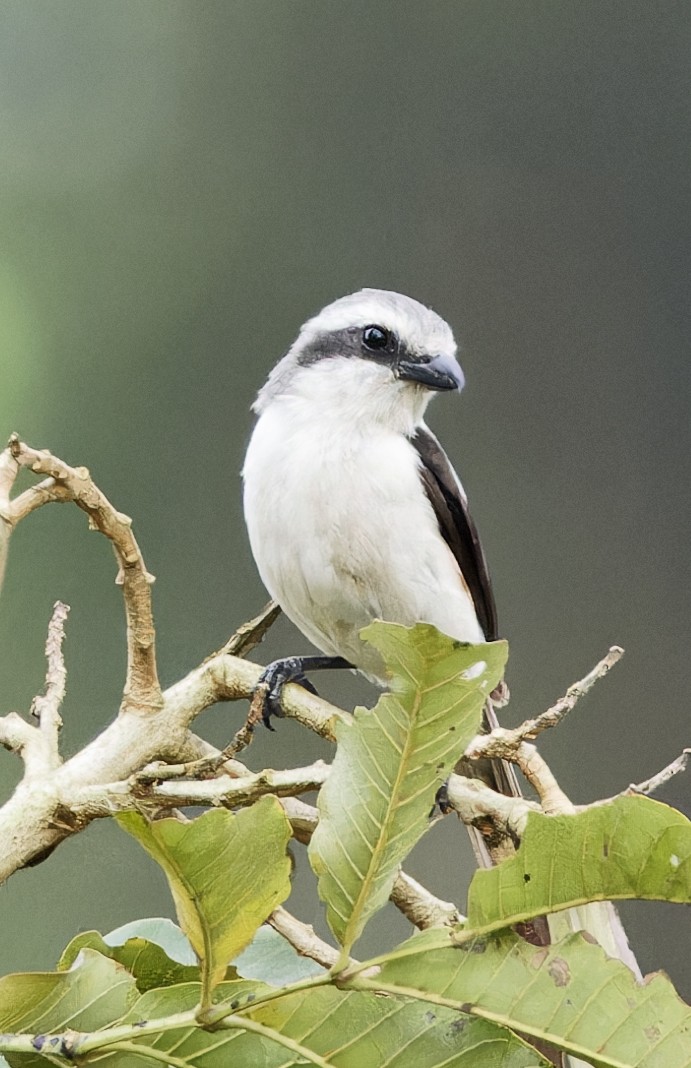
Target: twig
point(38, 745)
point(537, 771)
point(46, 707)
point(648, 786)
point(477, 804)
point(96, 801)
point(416, 903)
point(243, 790)
point(227, 678)
point(501, 742)
point(142, 692)
point(34, 820)
point(303, 939)
point(8, 473)
point(511, 745)
point(556, 713)
point(421, 907)
point(507, 745)
point(249, 635)
point(18, 736)
point(244, 736)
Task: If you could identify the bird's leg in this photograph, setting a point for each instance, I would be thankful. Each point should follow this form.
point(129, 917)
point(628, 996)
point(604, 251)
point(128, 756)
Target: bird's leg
point(291, 669)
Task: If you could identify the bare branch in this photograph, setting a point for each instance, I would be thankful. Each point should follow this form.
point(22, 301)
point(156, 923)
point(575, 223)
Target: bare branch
point(511, 745)
point(46, 707)
point(249, 635)
point(142, 692)
point(656, 781)
point(303, 939)
point(421, 907)
point(16, 734)
point(504, 743)
point(9, 469)
point(228, 678)
point(46, 492)
point(8, 473)
point(416, 903)
point(37, 817)
point(553, 800)
point(230, 792)
point(565, 704)
point(476, 804)
point(38, 745)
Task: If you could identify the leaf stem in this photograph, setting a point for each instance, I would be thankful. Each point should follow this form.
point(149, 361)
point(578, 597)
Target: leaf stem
point(559, 1041)
point(240, 1022)
point(215, 1015)
point(148, 1053)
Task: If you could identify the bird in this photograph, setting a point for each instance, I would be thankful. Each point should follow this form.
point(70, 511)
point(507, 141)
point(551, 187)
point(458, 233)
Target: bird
point(353, 509)
point(355, 512)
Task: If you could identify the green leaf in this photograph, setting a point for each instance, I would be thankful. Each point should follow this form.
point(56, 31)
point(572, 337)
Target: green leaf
point(158, 929)
point(189, 1043)
point(631, 847)
point(376, 802)
point(571, 994)
point(272, 959)
point(94, 993)
point(146, 962)
point(226, 872)
point(351, 1028)
point(326, 1026)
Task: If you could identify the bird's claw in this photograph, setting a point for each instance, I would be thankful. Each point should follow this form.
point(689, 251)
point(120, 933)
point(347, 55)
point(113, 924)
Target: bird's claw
point(271, 682)
point(441, 800)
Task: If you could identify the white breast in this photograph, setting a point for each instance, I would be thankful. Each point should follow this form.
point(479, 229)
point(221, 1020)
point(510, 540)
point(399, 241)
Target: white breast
point(342, 532)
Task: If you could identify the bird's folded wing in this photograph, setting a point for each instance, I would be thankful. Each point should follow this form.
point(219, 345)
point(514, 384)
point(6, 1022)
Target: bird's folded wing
point(450, 505)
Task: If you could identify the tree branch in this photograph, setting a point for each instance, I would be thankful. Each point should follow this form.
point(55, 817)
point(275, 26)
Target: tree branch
point(37, 818)
point(249, 635)
point(142, 693)
point(46, 707)
point(648, 786)
point(8, 473)
point(416, 903)
point(476, 803)
point(421, 907)
point(38, 745)
point(502, 743)
point(303, 939)
point(140, 791)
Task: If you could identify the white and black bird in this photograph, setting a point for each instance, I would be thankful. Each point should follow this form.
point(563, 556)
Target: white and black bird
point(355, 513)
point(353, 509)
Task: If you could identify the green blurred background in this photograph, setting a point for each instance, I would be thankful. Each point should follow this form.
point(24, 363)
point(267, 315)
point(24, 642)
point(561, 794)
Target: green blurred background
point(182, 184)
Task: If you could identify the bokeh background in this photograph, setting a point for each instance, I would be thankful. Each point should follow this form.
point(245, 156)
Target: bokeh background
point(182, 184)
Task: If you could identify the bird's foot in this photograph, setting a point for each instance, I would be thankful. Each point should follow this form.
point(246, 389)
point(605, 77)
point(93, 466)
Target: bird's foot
point(272, 680)
point(441, 801)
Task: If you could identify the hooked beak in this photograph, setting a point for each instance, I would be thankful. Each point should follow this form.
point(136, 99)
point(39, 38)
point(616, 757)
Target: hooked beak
point(440, 373)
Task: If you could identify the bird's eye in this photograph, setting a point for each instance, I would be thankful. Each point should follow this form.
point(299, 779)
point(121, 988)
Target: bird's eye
point(375, 338)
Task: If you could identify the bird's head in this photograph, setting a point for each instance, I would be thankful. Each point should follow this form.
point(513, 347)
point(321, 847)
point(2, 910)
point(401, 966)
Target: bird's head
point(372, 354)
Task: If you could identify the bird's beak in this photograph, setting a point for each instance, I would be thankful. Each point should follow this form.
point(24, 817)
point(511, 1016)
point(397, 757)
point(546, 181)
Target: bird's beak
point(440, 373)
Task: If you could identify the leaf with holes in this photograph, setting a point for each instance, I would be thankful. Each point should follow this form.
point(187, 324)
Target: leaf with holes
point(571, 995)
point(321, 1026)
point(632, 847)
point(376, 802)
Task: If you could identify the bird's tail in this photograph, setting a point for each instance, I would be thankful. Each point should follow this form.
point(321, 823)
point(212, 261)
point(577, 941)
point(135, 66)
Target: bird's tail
point(599, 918)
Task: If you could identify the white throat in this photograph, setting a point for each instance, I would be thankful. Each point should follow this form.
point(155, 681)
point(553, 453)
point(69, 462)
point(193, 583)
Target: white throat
point(352, 392)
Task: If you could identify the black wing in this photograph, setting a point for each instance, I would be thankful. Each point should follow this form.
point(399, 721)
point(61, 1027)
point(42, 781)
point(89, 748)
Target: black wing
point(456, 526)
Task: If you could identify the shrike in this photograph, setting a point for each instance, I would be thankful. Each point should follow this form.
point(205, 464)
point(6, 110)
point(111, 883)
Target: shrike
point(353, 509)
point(355, 513)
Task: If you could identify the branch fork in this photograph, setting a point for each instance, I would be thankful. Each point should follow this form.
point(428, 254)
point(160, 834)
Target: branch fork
point(149, 757)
